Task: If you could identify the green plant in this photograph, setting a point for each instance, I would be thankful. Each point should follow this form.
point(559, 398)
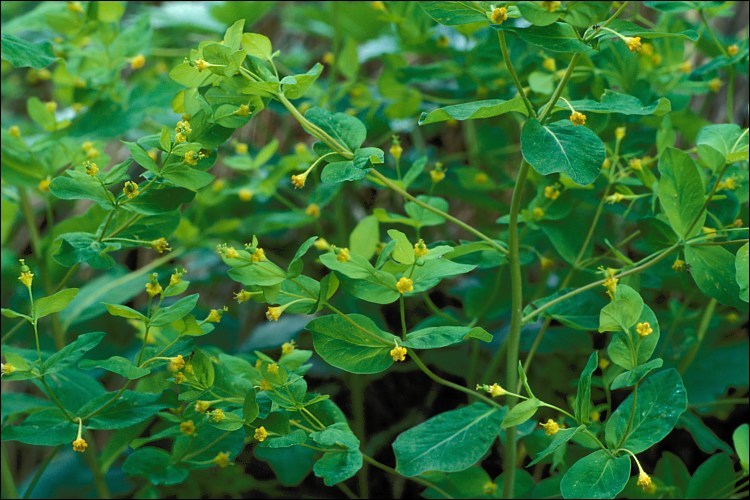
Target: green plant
point(613, 204)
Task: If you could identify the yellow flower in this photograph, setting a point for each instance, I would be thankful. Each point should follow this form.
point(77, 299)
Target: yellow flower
point(437, 175)
point(179, 378)
point(686, 67)
point(738, 223)
point(732, 50)
point(396, 149)
point(222, 459)
point(546, 263)
point(80, 445)
point(489, 488)
point(606, 163)
point(176, 364)
point(258, 255)
point(240, 148)
point(398, 353)
point(245, 194)
point(328, 58)
point(92, 153)
point(551, 192)
point(191, 158)
point(50, 106)
point(260, 434)
point(442, 42)
point(499, 15)
point(342, 255)
point(620, 133)
point(298, 180)
point(161, 245)
point(202, 406)
point(201, 65)
point(715, 85)
point(265, 385)
point(578, 118)
point(242, 296)
point(728, 184)
point(420, 249)
point(217, 415)
point(634, 43)
point(287, 347)
point(273, 369)
point(313, 210)
point(603, 363)
point(214, 316)
point(231, 253)
point(243, 110)
point(187, 427)
point(6, 368)
point(549, 64)
point(322, 244)
point(678, 265)
point(91, 168)
point(15, 131)
point(274, 313)
point(647, 49)
point(611, 285)
point(138, 62)
point(76, 8)
point(26, 277)
point(537, 213)
point(481, 178)
point(551, 6)
point(709, 232)
point(378, 6)
point(614, 198)
point(179, 138)
point(44, 185)
point(644, 480)
point(595, 416)
point(405, 285)
point(636, 164)
point(130, 189)
point(550, 427)
point(644, 329)
point(153, 289)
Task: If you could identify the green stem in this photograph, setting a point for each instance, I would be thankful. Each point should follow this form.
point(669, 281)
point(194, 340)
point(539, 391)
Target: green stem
point(560, 87)
point(357, 388)
point(403, 316)
point(701, 334)
point(513, 74)
point(9, 484)
point(708, 198)
point(416, 479)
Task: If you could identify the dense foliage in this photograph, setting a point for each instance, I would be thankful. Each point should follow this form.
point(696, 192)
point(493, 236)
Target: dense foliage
point(375, 249)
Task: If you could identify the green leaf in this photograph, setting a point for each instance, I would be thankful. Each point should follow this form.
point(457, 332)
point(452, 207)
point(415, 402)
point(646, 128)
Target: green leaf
point(365, 237)
point(263, 273)
point(660, 402)
point(536, 14)
point(713, 269)
point(130, 408)
point(557, 37)
point(295, 265)
point(741, 268)
point(290, 465)
point(124, 311)
point(623, 312)
point(559, 439)
point(521, 412)
point(353, 343)
point(257, 45)
point(615, 102)
point(188, 178)
point(632, 377)
point(575, 151)
point(155, 465)
point(721, 144)
point(341, 464)
point(10, 313)
point(626, 28)
point(580, 312)
point(296, 86)
point(73, 352)
point(628, 349)
point(452, 13)
point(597, 475)
point(43, 428)
point(704, 437)
point(403, 252)
point(24, 54)
point(713, 479)
point(115, 364)
point(141, 157)
point(54, 303)
point(443, 336)
point(75, 185)
point(681, 192)
point(474, 110)
point(366, 158)
point(448, 442)
point(582, 405)
point(342, 171)
point(345, 129)
point(178, 310)
point(250, 408)
point(84, 247)
point(740, 439)
point(423, 216)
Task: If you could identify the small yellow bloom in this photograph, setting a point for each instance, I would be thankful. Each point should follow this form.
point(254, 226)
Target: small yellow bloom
point(636, 164)
point(245, 194)
point(298, 180)
point(187, 427)
point(202, 406)
point(614, 198)
point(604, 363)
point(76, 8)
point(549, 64)
point(91, 168)
point(644, 480)
point(243, 110)
point(26, 277)
point(420, 249)
point(242, 296)
point(678, 265)
point(138, 62)
point(709, 232)
point(437, 175)
point(398, 353)
point(273, 369)
point(644, 329)
point(728, 184)
point(191, 158)
point(537, 213)
point(578, 118)
point(732, 50)
point(442, 42)
point(201, 65)
point(551, 6)
point(322, 244)
point(634, 43)
point(405, 285)
point(176, 363)
point(495, 390)
point(176, 276)
point(260, 434)
point(313, 210)
point(328, 58)
point(80, 445)
point(620, 133)
point(551, 192)
point(179, 378)
point(217, 415)
point(6, 368)
point(611, 285)
point(231, 253)
point(595, 416)
point(396, 149)
point(287, 347)
point(489, 488)
point(258, 255)
point(342, 255)
point(161, 245)
point(715, 85)
point(738, 223)
point(499, 15)
point(214, 316)
point(265, 385)
point(481, 178)
point(240, 148)
point(550, 427)
point(222, 459)
point(153, 289)
point(130, 189)
point(179, 138)
point(44, 185)
point(50, 106)
point(273, 313)
point(647, 49)
point(546, 263)
point(15, 131)
point(378, 6)
point(686, 67)
point(606, 163)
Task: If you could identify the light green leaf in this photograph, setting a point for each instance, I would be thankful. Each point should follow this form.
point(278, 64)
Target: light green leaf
point(115, 364)
point(582, 405)
point(73, 352)
point(155, 465)
point(575, 151)
point(24, 54)
point(557, 37)
point(474, 110)
point(713, 476)
point(714, 271)
point(347, 130)
point(257, 45)
point(623, 312)
point(740, 439)
point(628, 349)
point(365, 237)
point(178, 310)
point(741, 267)
point(296, 86)
point(597, 475)
point(521, 412)
point(403, 252)
point(124, 311)
point(453, 13)
point(721, 144)
point(559, 439)
point(345, 461)
point(681, 192)
point(632, 377)
point(615, 102)
point(443, 336)
point(54, 303)
point(537, 15)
